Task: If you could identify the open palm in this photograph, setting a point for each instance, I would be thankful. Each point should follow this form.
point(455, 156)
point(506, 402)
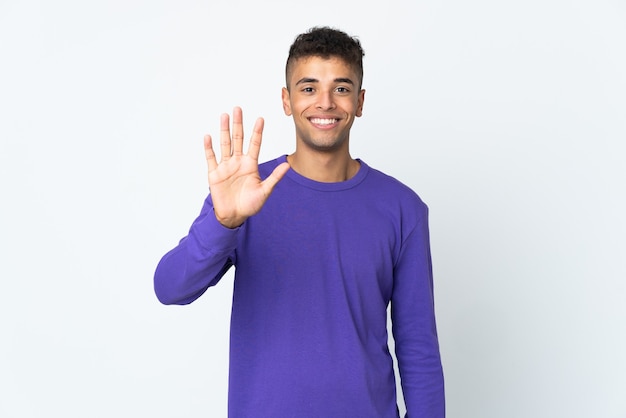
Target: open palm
point(236, 187)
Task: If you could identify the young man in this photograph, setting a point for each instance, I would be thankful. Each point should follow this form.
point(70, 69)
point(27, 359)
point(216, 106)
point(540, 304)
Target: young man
point(317, 262)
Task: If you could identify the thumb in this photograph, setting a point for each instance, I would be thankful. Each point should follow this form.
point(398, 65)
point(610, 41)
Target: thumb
point(272, 180)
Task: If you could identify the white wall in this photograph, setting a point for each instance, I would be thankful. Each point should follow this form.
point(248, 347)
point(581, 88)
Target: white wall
point(508, 118)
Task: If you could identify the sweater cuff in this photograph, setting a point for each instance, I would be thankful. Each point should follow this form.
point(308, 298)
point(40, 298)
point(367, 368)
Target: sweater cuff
point(214, 237)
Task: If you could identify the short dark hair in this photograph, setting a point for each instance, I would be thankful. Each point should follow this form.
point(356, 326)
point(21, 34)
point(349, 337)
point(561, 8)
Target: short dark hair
point(326, 42)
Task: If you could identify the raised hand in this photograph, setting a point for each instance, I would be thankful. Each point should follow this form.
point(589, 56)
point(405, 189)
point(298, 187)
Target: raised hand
point(236, 187)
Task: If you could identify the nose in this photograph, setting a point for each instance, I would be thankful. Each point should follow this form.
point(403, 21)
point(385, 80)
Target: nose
point(325, 101)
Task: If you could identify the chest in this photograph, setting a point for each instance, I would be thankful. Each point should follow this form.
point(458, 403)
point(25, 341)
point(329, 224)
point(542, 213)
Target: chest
point(322, 244)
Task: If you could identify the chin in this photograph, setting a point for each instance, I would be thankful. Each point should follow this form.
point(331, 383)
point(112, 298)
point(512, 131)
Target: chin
point(325, 146)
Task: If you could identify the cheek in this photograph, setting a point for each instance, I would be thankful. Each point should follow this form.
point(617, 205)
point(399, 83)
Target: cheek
point(300, 109)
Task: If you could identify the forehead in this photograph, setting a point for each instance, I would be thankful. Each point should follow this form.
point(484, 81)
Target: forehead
point(321, 69)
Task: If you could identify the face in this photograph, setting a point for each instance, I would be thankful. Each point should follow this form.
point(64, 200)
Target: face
point(324, 98)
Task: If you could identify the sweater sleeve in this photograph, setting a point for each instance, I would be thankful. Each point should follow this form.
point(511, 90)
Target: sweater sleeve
point(198, 261)
point(414, 329)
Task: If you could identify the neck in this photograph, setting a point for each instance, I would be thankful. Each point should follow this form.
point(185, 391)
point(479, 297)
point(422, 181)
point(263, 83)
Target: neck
point(324, 167)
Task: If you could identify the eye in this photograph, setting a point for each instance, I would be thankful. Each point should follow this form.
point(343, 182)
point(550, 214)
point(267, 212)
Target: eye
point(342, 89)
point(307, 90)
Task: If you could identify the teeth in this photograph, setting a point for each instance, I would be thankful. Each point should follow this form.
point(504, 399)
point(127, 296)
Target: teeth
point(320, 121)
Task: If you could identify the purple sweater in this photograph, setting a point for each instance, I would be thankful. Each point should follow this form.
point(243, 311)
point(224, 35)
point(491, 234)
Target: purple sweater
point(316, 269)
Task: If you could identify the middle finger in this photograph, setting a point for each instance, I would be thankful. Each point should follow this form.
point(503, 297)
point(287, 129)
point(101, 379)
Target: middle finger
point(237, 131)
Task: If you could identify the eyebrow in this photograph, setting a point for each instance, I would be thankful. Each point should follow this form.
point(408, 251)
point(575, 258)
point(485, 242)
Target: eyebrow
point(314, 80)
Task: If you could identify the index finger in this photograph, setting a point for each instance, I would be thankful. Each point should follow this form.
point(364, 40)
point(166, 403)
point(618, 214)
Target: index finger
point(255, 141)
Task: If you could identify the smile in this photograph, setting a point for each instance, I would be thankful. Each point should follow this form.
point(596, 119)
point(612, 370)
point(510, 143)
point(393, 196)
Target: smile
point(320, 121)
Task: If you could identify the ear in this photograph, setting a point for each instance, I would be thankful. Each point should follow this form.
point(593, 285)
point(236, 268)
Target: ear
point(359, 106)
point(286, 101)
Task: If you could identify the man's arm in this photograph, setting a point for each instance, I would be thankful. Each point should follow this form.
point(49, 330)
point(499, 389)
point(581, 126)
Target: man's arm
point(237, 192)
point(198, 261)
point(414, 328)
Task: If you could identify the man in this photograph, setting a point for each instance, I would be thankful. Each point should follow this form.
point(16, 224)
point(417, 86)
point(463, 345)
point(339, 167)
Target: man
point(317, 262)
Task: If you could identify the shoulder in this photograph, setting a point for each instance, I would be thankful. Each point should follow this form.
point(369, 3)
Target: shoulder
point(394, 191)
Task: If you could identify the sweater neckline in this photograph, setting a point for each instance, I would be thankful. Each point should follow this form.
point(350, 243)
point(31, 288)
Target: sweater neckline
point(327, 187)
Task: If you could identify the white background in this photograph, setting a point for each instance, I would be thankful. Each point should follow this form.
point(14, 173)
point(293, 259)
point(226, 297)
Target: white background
point(508, 118)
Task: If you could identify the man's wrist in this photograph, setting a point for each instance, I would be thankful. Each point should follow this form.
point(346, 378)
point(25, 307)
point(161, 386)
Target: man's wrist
point(230, 223)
